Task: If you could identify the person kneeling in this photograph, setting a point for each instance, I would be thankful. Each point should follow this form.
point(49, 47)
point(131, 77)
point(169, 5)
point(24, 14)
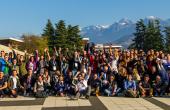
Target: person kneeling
point(39, 88)
point(14, 84)
point(60, 87)
point(111, 87)
point(145, 87)
point(95, 84)
point(130, 87)
point(28, 83)
point(82, 87)
point(3, 84)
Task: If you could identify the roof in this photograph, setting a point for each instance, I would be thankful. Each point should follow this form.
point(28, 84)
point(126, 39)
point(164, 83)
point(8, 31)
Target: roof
point(85, 38)
point(7, 50)
point(107, 45)
point(12, 38)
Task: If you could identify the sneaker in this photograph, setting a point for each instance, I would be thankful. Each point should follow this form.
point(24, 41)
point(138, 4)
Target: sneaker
point(25, 94)
point(161, 95)
point(72, 97)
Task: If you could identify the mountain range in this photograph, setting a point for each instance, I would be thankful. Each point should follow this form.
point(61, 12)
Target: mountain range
point(120, 32)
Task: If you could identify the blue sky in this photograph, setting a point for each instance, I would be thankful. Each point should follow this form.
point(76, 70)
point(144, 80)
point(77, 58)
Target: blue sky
point(30, 16)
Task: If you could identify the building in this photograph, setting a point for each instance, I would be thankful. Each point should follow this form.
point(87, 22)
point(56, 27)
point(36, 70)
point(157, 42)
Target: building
point(8, 49)
point(11, 42)
point(85, 40)
point(107, 46)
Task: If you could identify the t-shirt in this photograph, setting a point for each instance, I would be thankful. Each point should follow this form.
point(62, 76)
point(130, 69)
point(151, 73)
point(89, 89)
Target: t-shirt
point(31, 66)
point(14, 82)
point(129, 85)
point(145, 85)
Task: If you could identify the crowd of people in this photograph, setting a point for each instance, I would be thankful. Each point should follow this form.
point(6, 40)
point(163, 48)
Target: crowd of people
point(112, 72)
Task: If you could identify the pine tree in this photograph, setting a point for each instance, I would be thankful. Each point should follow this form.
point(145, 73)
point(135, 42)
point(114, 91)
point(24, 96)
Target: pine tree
point(50, 34)
point(73, 37)
point(149, 37)
point(158, 37)
point(167, 39)
point(138, 41)
point(61, 34)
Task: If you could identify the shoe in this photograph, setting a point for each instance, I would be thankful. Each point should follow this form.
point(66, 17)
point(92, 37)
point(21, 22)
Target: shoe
point(72, 97)
point(11, 96)
point(161, 95)
point(1, 96)
point(150, 96)
point(77, 95)
point(87, 97)
point(156, 95)
point(25, 94)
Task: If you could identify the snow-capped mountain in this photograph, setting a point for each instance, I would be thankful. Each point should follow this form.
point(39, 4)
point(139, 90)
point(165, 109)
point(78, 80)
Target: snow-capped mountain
point(108, 33)
point(119, 32)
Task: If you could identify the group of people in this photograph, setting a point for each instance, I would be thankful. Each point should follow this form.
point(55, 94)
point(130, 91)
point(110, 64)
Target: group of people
point(112, 72)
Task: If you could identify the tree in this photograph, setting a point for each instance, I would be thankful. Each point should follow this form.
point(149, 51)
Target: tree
point(138, 41)
point(158, 37)
point(148, 36)
point(61, 34)
point(49, 33)
point(32, 42)
point(154, 38)
point(73, 37)
point(167, 39)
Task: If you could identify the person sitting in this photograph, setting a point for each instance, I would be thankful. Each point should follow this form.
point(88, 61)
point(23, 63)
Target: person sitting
point(70, 88)
point(28, 83)
point(14, 84)
point(111, 87)
point(130, 87)
point(47, 81)
point(95, 84)
point(157, 87)
point(82, 87)
point(54, 81)
point(60, 87)
point(168, 88)
point(3, 84)
point(39, 88)
point(145, 87)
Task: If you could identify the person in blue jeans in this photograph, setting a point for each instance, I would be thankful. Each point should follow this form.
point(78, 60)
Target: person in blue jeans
point(60, 87)
point(111, 87)
point(130, 87)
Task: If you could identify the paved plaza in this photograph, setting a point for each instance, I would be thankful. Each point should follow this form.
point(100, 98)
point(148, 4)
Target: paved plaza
point(94, 103)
